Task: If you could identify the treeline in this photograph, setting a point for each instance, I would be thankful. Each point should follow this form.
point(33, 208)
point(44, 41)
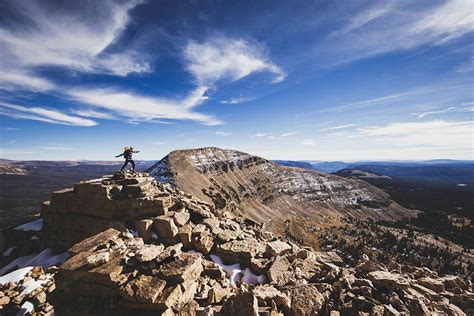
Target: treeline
point(437, 223)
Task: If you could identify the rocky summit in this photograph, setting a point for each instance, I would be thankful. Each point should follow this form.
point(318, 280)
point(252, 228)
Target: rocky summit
point(272, 194)
point(135, 246)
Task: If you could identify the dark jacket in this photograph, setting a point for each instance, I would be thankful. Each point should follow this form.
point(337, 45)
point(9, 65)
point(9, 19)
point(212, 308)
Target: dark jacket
point(127, 154)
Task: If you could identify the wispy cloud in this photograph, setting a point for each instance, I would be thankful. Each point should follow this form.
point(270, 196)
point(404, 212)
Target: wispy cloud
point(451, 20)
point(146, 108)
point(309, 142)
point(226, 58)
point(422, 115)
point(259, 135)
point(159, 143)
point(439, 92)
point(66, 37)
point(22, 80)
point(55, 148)
point(288, 134)
point(237, 100)
point(221, 133)
point(10, 129)
point(393, 27)
point(332, 128)
point(457, 134)
point(94, 114)
point(43, 115)
point(366, 16)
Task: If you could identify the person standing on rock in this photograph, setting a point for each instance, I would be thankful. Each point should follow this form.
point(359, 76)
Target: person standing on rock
point(127, 154)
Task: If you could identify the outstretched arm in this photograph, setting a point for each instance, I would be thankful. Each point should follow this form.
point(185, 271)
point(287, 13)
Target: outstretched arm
point(119, 155)
point(136, 151)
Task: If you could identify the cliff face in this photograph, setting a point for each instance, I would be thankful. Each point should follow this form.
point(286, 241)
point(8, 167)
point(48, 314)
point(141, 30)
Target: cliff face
point(269, 193)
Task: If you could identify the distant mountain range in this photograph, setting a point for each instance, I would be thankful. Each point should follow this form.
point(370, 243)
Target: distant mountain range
point(453, 172)
point(334, 166)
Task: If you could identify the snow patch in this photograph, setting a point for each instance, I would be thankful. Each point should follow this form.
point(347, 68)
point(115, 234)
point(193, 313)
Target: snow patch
point(36, 225)
point(235, 273)
point(208, 159)
point(32, 285)
point(26, 309)
point(15, 276)
point(44, 259)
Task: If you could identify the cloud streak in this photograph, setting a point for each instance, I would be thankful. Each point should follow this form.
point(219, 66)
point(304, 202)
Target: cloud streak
point(455, 135)
point(65, 37)
point(146, 108)
point(43, 115)
point(393, 27)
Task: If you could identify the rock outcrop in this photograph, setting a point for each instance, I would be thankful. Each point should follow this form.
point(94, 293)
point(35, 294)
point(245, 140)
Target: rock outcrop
point(157, 250)
point(93, 206)
point(269, 193)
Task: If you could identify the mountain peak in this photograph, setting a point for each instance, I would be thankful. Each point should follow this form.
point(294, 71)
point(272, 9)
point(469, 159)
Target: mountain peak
point(268, 193)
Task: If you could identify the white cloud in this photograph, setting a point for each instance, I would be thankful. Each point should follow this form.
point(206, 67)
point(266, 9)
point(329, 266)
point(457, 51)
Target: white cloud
point(144, 108)
point(437, 133)
point(398, 26)
point(236, 100)
point(442, 111)
point(332, 128)
point(159, 143)
point(451, 20)
point(11, 129)
point(288, 134)
point(366, 16)
point(43, 115)
point(309, 142)
point(76, 39)
point(259, 135)
point(11, 81)
point(442, 92)
point(55, 148)
point(225, 58)
point(221, 133)
point(95, 114)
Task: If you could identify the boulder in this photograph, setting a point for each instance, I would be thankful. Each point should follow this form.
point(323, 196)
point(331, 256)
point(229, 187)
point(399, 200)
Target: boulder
point(164, 226)
point(452, 281)
point(269, 293)
point(185, 267)
point(184, 235)
point(432, 284)
point(204, 242)
point(97, 259)
point(306, 300)
point(277, 248)
point(148, 252)
point(240, 250)
point(241, 304)
point(279, 273)
point(143, 227)
point(144, 289)
point(181, 218)
point(384, 279)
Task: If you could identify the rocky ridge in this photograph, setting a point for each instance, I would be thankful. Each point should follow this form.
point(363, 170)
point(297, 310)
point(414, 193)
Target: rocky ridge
point(269, 193)
point(171, 253)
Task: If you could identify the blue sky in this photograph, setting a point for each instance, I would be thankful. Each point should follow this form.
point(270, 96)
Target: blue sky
point(322, 80)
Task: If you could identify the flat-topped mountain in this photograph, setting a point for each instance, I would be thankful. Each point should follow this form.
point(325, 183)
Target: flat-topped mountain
point(270, 193)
